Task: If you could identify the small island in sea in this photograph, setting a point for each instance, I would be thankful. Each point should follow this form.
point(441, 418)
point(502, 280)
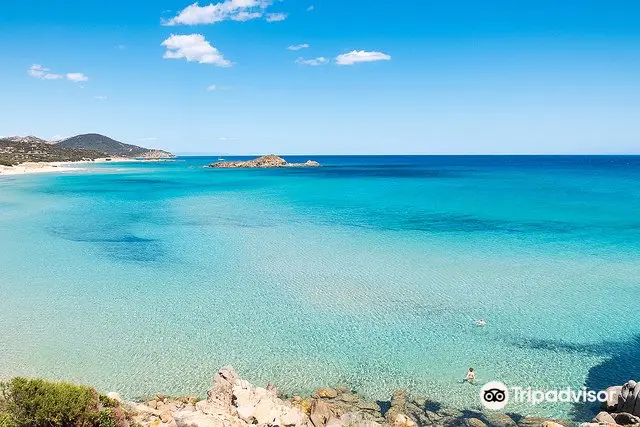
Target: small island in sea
point(268, 161)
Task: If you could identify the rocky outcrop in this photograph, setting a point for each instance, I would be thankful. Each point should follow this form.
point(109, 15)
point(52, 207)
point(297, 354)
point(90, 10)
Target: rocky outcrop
point(629, 398)
point(622, 407)
point(234, 402)
point(268, 161)
point(153, 154)
point(231, 402)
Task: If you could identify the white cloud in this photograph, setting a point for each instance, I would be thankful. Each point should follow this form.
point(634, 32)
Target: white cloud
point(312, 62)
point(310, 8)
point(39, 72)
point(246, 16)
point(356, 56)
point(298, 46)
point(276, 17)
point(100, 97)
point(77, 77)
point(237, 10)
point(194, 47)
point(216, 88)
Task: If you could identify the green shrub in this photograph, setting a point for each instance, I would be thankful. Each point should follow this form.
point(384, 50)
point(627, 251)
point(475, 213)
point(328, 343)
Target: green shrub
point(106, 419)
point(108, 402)
point(39, 403)
point(6, 420)
point(5, 161)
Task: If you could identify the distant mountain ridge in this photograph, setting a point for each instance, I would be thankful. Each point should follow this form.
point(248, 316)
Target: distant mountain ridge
point(111, 147)
point(28, 139)
point(15, 150)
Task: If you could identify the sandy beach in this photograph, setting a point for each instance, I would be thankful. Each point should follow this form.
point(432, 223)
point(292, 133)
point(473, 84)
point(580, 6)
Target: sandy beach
point(30, 168)
point(49, 167)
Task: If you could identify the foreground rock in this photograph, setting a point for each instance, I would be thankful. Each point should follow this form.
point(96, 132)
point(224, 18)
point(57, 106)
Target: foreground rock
point(622, 407)
point(231, 402)
point(234, 402)
point(268, 161)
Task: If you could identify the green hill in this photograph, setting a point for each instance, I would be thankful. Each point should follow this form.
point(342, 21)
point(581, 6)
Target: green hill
point(111, 147)
point(14, 151)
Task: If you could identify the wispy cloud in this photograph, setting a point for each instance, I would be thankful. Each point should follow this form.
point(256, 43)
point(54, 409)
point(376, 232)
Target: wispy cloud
point(314, 62)
point(100, 97)
point(77, 77)
point(276, 17)
point(236, 10)
point(246, 16)
point(40, 72)
point(310, 8)
point(216, 88)
point(298, 46)
point(357, 56)
point(193, 47)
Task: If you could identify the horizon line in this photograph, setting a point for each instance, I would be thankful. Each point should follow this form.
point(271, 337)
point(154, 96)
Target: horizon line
point(422, 154)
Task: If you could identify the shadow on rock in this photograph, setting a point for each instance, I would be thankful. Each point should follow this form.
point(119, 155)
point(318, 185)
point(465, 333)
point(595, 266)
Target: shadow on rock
point(622, 366)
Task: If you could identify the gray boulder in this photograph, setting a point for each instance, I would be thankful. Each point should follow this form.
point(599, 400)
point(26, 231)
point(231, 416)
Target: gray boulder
point(613, 394)
point(605, 418)
point(625, 419)
point(629, 398)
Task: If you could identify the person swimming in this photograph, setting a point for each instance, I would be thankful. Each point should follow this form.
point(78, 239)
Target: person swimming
point(471, 376)
point(481, 322)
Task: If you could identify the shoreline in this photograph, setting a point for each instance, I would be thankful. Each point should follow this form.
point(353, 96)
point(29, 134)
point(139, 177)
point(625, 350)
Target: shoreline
point(29, 168)
point(232, 401)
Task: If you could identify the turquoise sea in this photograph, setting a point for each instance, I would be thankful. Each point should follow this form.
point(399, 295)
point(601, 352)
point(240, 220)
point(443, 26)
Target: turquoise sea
point(368, 271)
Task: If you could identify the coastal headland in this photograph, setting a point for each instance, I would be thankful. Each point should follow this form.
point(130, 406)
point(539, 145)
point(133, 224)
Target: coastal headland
point(29, 154)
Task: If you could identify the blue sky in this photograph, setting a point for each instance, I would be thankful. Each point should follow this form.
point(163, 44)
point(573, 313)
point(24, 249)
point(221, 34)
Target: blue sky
point(377, 77)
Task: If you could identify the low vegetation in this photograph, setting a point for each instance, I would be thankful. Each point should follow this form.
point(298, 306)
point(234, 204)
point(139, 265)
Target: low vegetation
point(111, 147)
point(16, 152)
point(38, 403)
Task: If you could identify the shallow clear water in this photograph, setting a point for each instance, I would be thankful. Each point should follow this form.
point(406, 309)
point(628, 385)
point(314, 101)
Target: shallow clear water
point(369, 271)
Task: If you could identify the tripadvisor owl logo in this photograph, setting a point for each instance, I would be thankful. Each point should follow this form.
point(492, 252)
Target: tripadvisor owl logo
point(494, 395)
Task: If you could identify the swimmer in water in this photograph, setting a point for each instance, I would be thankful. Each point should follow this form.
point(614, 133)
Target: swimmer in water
point(481, 322)
point(471, 376)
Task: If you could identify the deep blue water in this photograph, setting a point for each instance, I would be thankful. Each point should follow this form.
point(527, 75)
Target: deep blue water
point(369, 271)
